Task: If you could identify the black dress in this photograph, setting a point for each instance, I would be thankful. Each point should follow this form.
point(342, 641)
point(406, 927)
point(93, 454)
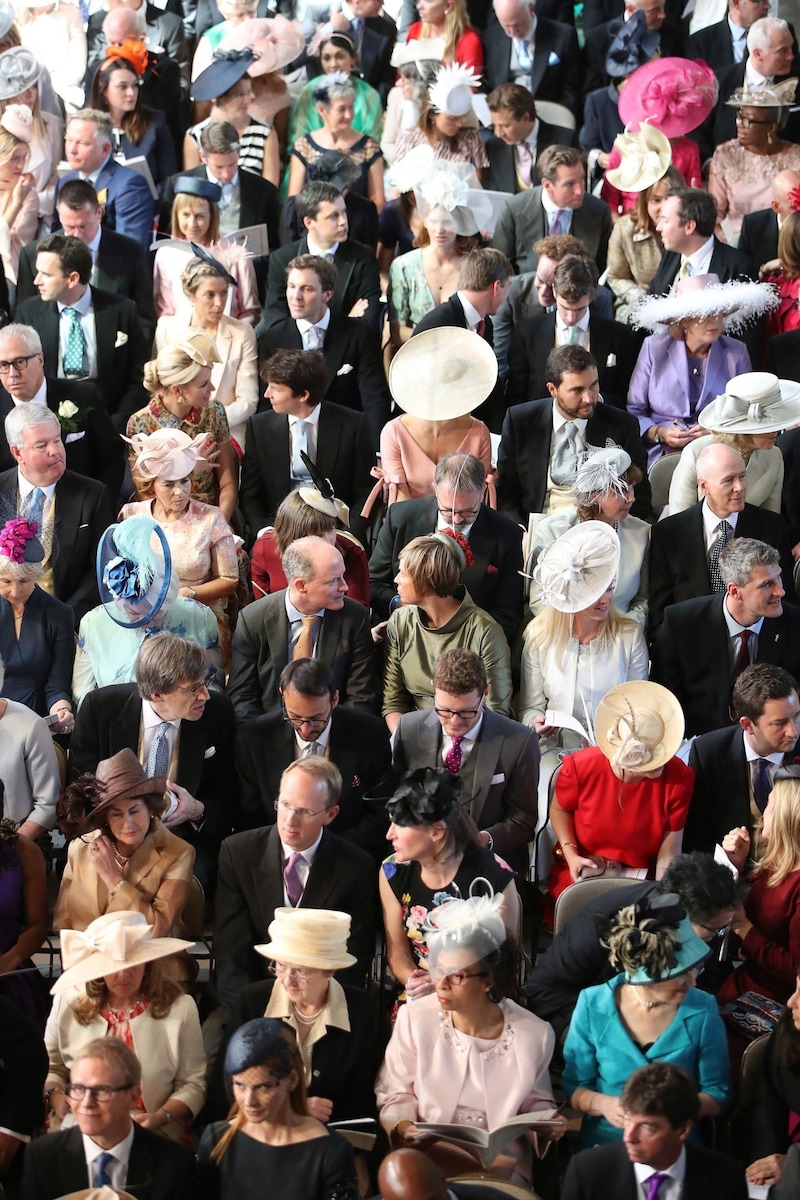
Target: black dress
point(320, 1169)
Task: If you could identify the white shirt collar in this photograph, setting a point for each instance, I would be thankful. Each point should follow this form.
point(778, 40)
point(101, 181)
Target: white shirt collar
point(151, 719)
point(308, 854)
point(559, 420)
point(733, 625)
point(314, 249)
point(95, 175)
point(323, 323)
point(583, 325)
point(122, 1150)
point(751, 755)
point(677, 1171)
point(701, 257)
point(441, 524)
point(474, 318)
point(25, 487)
point(311, 419)
point(39, 398)
point(294, 614)
point(752, 77)
point(232, 183)
point(94, 245)
point(82, 306)
point(711, 521)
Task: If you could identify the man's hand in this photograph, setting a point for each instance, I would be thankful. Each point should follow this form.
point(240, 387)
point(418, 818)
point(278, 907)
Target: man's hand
point(320, 1108)
point(188, 808)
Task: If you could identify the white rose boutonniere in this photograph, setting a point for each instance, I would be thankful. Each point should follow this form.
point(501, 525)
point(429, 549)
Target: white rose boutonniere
point(70, 416)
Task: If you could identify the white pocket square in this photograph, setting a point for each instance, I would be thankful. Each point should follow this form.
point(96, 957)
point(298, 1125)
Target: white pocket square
point(345, 370)
point(498, 778)
point(75, 437)
point(611, 361)
point(121, 339)
point(210, 752)
point(553, 60)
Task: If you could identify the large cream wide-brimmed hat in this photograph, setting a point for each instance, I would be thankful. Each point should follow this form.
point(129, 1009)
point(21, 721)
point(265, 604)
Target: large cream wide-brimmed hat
point(109, 944)
point(755, 402)
point(639, 725)
point(442, 373)
point(577, 568)
point(309, 937)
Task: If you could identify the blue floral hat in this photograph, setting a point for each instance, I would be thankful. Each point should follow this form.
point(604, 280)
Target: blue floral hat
point(134, 572)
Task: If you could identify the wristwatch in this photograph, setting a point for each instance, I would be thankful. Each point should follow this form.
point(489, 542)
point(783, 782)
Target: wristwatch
point(656, 436)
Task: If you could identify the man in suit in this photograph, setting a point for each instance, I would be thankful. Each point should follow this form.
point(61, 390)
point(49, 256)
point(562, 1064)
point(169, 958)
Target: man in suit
point(704, 644)
point(373, 35)
point(408, 1174)
point(106, 1146)
point(496, 759)
point(320, 207)
point(349, 346)
point(518, 139)
point(312, 721)
point(310, 618)
point(734, 767)
point(493, 581)
point(530, 50)
point(71, 511)
point(725, 42)
point(86, 333)
point(298, 861)
point(162, 28)
point(119, 264)
point(686, 225)
point(613, 346)
point(760, 229)
point(685, 547)
point(247, 199)
point(560, 205)
point(162, 83)
point(657, 1109)
point(93, 447)
point(127, 203)
point(669, 39)
point(171, 720)
point(535, 434)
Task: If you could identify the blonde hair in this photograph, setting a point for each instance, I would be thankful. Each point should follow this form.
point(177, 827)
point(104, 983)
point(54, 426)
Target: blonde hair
point(193, 203)
point(8, 144)
point(174, 366)
point(636, 944)
point(456, 24)
point(783, 843)
point(434, 564)
point(554, 628)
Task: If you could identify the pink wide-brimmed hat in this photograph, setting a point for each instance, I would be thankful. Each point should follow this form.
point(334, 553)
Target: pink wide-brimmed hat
point(674, 94)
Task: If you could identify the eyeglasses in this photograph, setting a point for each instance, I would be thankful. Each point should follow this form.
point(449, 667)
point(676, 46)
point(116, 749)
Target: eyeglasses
point(463, 514)
point(715, 930)
point(456, 978)
point(319, 719)
point(450, 714)
point(195, 689)
point(742, 120)
point(100, 1095)
point(19, 364)
point(305, 814)
point(279, 968)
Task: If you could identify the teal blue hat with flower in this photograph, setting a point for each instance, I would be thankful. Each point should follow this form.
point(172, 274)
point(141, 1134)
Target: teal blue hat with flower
point(134, 572)
point(654, 941)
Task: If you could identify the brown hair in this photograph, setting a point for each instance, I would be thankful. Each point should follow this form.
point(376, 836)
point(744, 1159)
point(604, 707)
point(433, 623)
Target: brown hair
point(590, 512)
point(553, 157)
point(433, 564)
point(296, 519)
point(134, 124)
point(789, 246)
point(517, 99)
point(299, 370)
point(297, 1097)
point(459, 672)
point(324, 269)
point(641, 217)
point(160, 991)
point(185, 200)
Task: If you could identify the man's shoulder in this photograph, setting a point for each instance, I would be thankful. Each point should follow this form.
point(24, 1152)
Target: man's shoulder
point(420, 511)
point(122, 177)
point(689, 613)
point(343, 853)
point(595, 207)
point(731, 76)
point(498, 524)
point(51, 1145)
point(356, 722)
point(73, 483)
point(677, 524)
point(255, 185)
point(113, 696)
point(355, 251)
point(117, 245)
point(788, 620)
point(32, 307)
point(593, 1165)
point(524, 202)
point(351, 613)
point(532, 412)
point(103, 300)
point(249, 845)
point(718, 743)
point(608, 417)
point(331, 414)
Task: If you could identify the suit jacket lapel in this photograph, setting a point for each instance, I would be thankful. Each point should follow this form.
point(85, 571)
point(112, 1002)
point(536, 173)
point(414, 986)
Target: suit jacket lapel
point(345, 262)
point(481, 546)
point(191, 748)
point(105, 323)
point(695, 549)
point(485, 751)
point(124, 731)
point(72, 1173)
point(330, 433)
point(268, 878)
point(541, 56)
point(277, 626)
point(321, 876)
point(67, 520)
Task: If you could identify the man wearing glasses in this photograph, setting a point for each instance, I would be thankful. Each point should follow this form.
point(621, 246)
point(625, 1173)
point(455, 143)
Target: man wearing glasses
point(105, 1146)
point(493, 580)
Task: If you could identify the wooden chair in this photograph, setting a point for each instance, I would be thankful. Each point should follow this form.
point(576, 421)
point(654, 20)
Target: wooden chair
point(498, 1185)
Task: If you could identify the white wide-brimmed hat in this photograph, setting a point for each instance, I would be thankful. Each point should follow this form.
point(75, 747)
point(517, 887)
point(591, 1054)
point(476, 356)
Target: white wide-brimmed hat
point(451, 91)
point(109, 944)
point(756, 402)
point(576, 569)
point(442, 373)
point(702, 296)
point(773, 95)
point(454, 187)
point(418, 50)
point(406, 174)
point(645, 155)
point(309, 937)
point(639, 725)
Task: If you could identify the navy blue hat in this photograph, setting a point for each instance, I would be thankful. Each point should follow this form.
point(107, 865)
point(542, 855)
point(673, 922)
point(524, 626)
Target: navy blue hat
point(227, 68)
point(424, 796)
point(632, 46)
point(255, 1042)
point(195, 185)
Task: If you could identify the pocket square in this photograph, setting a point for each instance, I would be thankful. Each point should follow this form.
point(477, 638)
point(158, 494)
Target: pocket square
point(210, 752)
point(611, 361)
point(345, 370)
point(498, 778)
point(75, 437)
point(553, 60)
point(121, 339)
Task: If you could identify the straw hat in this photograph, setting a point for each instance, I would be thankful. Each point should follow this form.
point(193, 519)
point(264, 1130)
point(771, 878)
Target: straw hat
point(576, 569)
point(675, 94)
point(19, 70)
point(309, 937)
point(645, 157)
point(455, 188)
point(755, 402)
point(639, 726)
point(134, 572)
point(451, 91)
point(701, 296)
point(776, 95)
point(442, 373)
point(274, 41)
point(109, 944)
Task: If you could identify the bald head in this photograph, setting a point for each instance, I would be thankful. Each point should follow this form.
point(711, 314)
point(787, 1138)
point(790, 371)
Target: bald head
point(122, 23)
point(722, 479)
point(784, 183)
point(410, 1175)
point(515, 17)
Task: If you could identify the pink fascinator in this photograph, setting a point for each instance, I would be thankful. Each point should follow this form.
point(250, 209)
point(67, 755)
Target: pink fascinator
point(674, 94)
point(17, 120)
point(166, 453)
point(276, 41)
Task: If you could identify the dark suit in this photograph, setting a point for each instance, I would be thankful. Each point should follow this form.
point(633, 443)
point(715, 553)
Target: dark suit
point(23, 1071)
point(258, 200)
point(500, 776)
point(599, 39)
point(788, 443)
point(534, 338)
point(362, 221)
point(678, 558)
point(598, 12)
point(158, 1169)
point(260, 651)
point(783, 359)
point(375, 46)
point(714, 45)
point(358, 745)
point(501, 174)
point(96, 452)
point(726, 262)
point(493, 581)
point(250, 887)
point(82, 512)
point(348, 343)
point(554, 74)
point(522, 301)
point(357, 279)
point(607, 1171)
point(759, 236)
point(691, 657)
point(524, 457)
point(523, 222)
point(163, 28)
point(121, 269)
point(122, 348)
point(128, 203)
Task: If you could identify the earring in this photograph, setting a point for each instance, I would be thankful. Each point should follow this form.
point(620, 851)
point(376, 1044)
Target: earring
point(769, 139)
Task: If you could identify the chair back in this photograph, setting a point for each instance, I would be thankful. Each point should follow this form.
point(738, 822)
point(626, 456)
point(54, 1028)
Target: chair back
point(553, 113)
point(573, 898)
point(660, 476)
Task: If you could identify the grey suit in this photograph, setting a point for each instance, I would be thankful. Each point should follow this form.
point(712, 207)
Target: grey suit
point(523, 222)
point(500, 776)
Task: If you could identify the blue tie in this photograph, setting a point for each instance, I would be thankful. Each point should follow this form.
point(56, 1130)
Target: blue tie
point(100, 1170)
point(300, 473)
point(36, 507)
point(158, 758)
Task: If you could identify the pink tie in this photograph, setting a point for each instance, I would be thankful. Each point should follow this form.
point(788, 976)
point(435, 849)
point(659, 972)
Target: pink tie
point(452, 760)
point(291, 880)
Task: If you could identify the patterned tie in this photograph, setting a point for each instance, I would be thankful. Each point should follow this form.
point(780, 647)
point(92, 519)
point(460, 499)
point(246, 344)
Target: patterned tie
point(36, 506)
point(300, 472)
point(313, 338)
point(304, 646)
point(743, 653)
point(654, 1185)
point(762, 783)
point(452, 760)
point(725, 531)
point(523, 55)
point(100, 1166)
point(76, 344)
point(158, 758)
point(291, 880)
point(558, 223)
point(311, 750)
point(565, 459)
point(686, 270)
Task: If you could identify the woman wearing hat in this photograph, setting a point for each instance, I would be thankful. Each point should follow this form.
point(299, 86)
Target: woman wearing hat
point(113, 986)
point(270, 1134)
point(334, 97)
point(603, 491)
point(650, 1012)
point(338, 55)
point(449, 20)
point(436, 857)
point(19, 200)
point(309, 512)
point(416, 62)
point(138, 131)
point(179, 382)
point(689, 358)
point(195, 223)
point(20, 72)
point(468, 1055)
point(749, 415)
point(139, 596)
point(399, 224)
point(741, 172)
point(55, 33)
point(437, 613)
point(121, 857)
point(635, 247)
point(227, 85)
point(234, 13)
point(336, 1025)
point(444, 111)
point(275, 43)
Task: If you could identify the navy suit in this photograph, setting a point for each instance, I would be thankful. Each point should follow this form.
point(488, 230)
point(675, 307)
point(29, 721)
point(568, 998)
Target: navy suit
point(599, 39)
point(554, 74)
point(128, 203)
point(258, 203)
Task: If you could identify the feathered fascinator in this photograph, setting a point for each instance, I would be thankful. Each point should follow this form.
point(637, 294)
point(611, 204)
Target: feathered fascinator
point(576, 569)
point(424, 796)
point(132, 51)
point(654, 940)
point(700, 296)
point(475, 925)
point(600, 471)
point(335, 79)
point(451, 90)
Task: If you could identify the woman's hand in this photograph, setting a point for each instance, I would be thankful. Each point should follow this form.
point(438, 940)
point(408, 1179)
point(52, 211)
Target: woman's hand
point(740, 924)
point(766, 1171)
point(407, 1132)
point(155, 1120)
point(66, 719)
point(359, 308)
point(610, 1108)
point(544, 730)
point(101, 856)
point(577, 862)
point(419, 984)
point(320, 1108)
point(736, 845)
point(59, 1105)
point(697, 431)
point(378, 631)
point(673, 436)
point(209, 450)
point(769, 268)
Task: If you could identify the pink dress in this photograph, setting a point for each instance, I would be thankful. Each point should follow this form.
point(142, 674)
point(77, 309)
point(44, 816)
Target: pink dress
point(405, 465)
point(170, 299)
point(741, 182)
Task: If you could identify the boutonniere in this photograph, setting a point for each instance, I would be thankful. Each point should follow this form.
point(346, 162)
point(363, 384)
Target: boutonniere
point(356, 782)
point(102, 197)
point(71, 417)
point(492, 569)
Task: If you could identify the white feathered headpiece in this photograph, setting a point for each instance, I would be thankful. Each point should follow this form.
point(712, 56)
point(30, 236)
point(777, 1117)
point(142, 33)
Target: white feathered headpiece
point(451, 90)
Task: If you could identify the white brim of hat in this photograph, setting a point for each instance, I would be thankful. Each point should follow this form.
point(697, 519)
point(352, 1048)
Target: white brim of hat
point(442, 373)
point(779, 416)
point(641, 695)
point(586, 592)
point(741, 302)
point(296, 958)
point(98, 964)
point(412, 168)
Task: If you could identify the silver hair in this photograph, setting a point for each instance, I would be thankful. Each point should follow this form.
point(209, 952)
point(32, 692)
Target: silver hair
point(167, 660)
point(26, 334)
point(463, 472)
point(762, 31)
point(334, 91)
point(27, 416)
point(105, 128)
point(737, 560)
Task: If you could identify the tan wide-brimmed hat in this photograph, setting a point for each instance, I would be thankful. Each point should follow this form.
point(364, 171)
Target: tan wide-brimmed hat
point(309, 937)
point(639, 725)
point(442, 373)
point(755, 402)
point(109, 944)
point(275, 42)
point(576, 569)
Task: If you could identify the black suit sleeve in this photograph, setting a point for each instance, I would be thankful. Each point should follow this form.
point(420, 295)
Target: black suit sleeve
point(219, 790)
point(361, 686)
point(665, 664)
point(369, 288)
point(84, 748)
point(382, 568)
point(253, 496)
point(106, 447)
point(244, 688)
point(376, 402)
point(275, 308)
point(99, 517)
point(518, 388)
point(24, 1070)
point(662, 582)
point(509, 484)
point(699, 834)
point(237, 963)
point(25, 288)
point(133, 396)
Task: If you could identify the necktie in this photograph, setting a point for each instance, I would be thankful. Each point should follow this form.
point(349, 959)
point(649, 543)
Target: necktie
point(312, 338)
point(100, 1166)
point(654, 1185)
point(558, 223)
point(570, 335)
point(158, 758)
point(525, 162)
point(304, 646)
point(452, 760)
point(36, 506)
point(762, 783)
point(225, 198)
point(686, 270)
point(565, 459)
point(300, 472)
point(523, 55)
point(480, 328)
point(76, 344)
point(725, 531)
point(743, 653)
point(291, 880)
point(357, 26)
point(311, 750)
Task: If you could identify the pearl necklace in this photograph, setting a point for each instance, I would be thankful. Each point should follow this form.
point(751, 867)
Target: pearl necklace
point(121, 860)
point(648, 1004)
point(306, 1020)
